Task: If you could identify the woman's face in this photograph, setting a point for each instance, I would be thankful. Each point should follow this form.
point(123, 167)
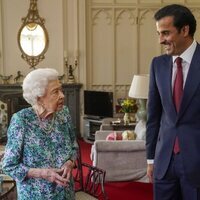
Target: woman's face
point(53, 99)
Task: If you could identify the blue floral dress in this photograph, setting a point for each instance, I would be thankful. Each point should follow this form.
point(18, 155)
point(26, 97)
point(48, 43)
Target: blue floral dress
point(29, 146)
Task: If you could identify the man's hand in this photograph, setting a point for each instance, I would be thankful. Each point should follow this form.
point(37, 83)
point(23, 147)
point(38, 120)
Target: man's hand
point(150, 172)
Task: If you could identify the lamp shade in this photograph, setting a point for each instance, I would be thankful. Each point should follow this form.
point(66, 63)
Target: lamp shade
point(139, 86)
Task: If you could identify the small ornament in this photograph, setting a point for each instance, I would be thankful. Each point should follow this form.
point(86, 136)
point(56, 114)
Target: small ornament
point(5, 79)
point(127, 118)
point(18, 78)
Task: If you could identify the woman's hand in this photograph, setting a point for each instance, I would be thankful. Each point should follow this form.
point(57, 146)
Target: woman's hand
point(67, 169)
point(54, 176)
point(50, 174)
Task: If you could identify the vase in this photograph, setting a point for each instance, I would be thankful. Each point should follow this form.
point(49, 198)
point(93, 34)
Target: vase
point(126, 118)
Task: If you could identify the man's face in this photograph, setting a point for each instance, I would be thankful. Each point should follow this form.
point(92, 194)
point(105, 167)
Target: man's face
point(174, 41)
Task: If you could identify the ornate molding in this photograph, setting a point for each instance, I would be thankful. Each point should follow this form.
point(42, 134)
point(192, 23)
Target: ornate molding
point(143, 13)
point(102, 87)
point(196, 11)
point(132, 17)
point(122, 88)
point(97, 12)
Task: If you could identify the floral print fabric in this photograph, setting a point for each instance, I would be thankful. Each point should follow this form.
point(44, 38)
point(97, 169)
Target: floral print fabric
point(29, 146)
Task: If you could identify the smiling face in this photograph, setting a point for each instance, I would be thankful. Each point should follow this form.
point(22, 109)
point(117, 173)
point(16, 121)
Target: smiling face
point(53, 100)
point(175, 42)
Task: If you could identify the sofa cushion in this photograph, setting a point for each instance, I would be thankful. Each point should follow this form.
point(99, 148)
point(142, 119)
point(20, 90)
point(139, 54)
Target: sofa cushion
point(114, 136)
point(129, 135)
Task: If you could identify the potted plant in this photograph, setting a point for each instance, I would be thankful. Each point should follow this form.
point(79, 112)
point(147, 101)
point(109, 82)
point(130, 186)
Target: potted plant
point(128, 106)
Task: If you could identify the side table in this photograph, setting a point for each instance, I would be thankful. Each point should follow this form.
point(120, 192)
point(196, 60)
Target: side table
point(122, 127)
point(117, 126)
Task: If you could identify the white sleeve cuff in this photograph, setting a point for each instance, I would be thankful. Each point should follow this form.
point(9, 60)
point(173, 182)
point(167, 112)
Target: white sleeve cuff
point(150, 161)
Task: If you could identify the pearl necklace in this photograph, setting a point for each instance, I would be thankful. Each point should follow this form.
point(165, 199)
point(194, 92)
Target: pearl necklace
point(46, 128)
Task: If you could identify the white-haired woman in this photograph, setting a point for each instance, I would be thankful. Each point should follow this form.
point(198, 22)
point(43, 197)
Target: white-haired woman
point(41, 147)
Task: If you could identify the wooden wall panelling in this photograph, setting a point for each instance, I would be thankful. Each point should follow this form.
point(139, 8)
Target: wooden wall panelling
point(125, 45)
point(126, 1)
point(173, 1)
point(196, 12)
point(102, 47)
point(102, 1)
point(148, 40)
point(192, 1)
point(149, 1)
point(122, 41)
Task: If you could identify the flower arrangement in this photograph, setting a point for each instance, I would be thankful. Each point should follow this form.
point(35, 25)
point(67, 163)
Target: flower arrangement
point(129, 106)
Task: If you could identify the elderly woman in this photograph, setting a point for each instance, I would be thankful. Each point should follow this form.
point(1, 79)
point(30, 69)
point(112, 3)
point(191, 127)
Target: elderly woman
point(41, 147)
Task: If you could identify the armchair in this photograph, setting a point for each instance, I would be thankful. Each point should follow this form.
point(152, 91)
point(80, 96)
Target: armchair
point(123, 160)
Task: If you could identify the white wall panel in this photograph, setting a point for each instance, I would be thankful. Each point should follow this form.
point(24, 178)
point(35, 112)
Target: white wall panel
point(102, 1)
point(126, 1)
point(102, 51)
point(196, 12)
point(148, 39)
point(173, 1)
point(150, 1)
point(192, 1)
point(126, 46)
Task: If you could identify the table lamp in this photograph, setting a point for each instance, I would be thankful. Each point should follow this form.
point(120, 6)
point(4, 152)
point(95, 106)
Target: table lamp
point(139, 90)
